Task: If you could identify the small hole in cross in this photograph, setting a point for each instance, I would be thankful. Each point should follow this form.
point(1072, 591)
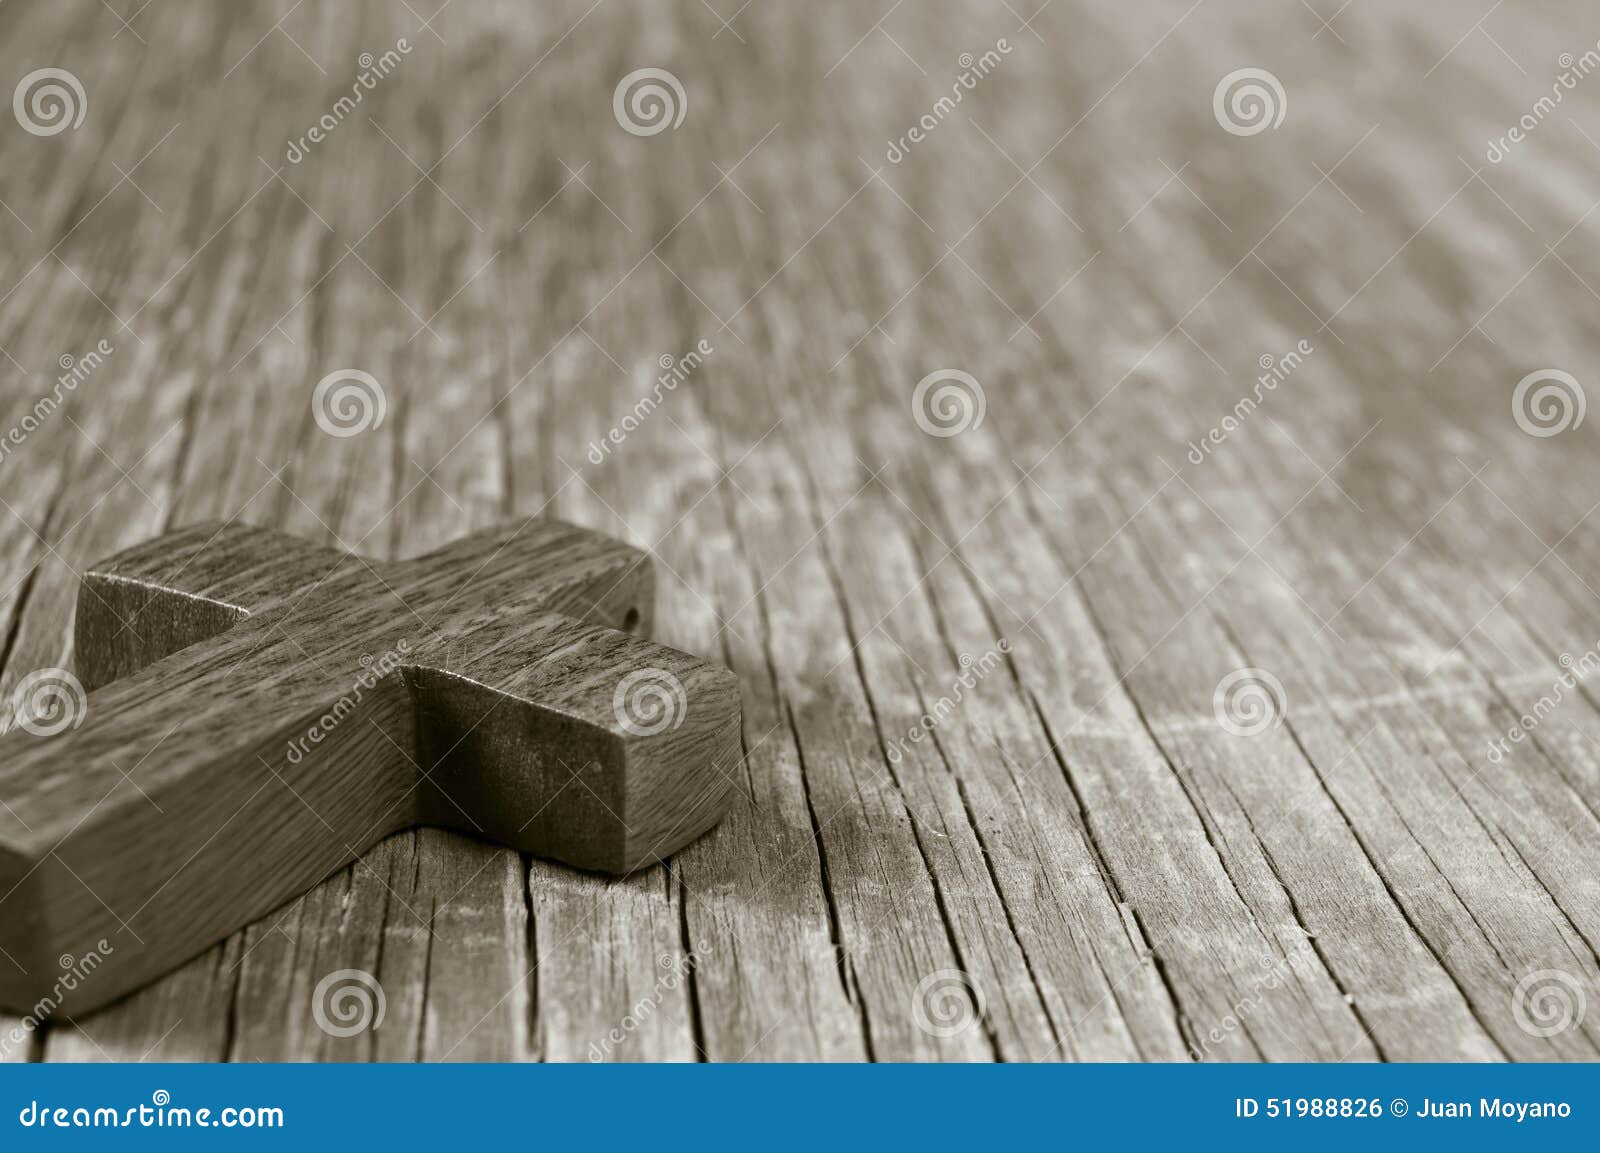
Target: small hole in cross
point(631, 621)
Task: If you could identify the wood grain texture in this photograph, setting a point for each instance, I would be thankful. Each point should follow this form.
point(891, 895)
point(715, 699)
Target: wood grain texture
point(1076, 859)
point(275, 721)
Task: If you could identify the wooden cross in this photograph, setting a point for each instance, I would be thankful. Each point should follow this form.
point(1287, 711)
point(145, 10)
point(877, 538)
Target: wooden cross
point(263, 710)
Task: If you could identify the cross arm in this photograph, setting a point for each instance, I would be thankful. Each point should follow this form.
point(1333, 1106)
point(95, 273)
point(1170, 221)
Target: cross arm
point(536, 564)
point(182, 588)
point(573, 741)
point(190, 584)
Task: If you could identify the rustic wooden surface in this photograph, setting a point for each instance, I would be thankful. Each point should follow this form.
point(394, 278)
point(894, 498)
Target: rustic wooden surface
point(1116, 873)
point(490, 687)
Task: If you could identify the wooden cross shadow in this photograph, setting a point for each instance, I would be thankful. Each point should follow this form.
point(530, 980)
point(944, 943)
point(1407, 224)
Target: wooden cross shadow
point(263, 710)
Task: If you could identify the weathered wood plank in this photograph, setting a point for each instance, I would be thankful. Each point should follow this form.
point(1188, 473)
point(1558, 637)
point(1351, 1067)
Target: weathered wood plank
point(1116, 875)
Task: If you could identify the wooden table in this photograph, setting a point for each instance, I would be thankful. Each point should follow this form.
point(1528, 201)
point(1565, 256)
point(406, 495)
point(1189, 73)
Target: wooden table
point(1061, 587)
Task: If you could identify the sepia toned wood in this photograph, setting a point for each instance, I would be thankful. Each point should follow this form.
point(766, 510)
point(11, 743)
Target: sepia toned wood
point(1110, 873)
point(504, 701)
